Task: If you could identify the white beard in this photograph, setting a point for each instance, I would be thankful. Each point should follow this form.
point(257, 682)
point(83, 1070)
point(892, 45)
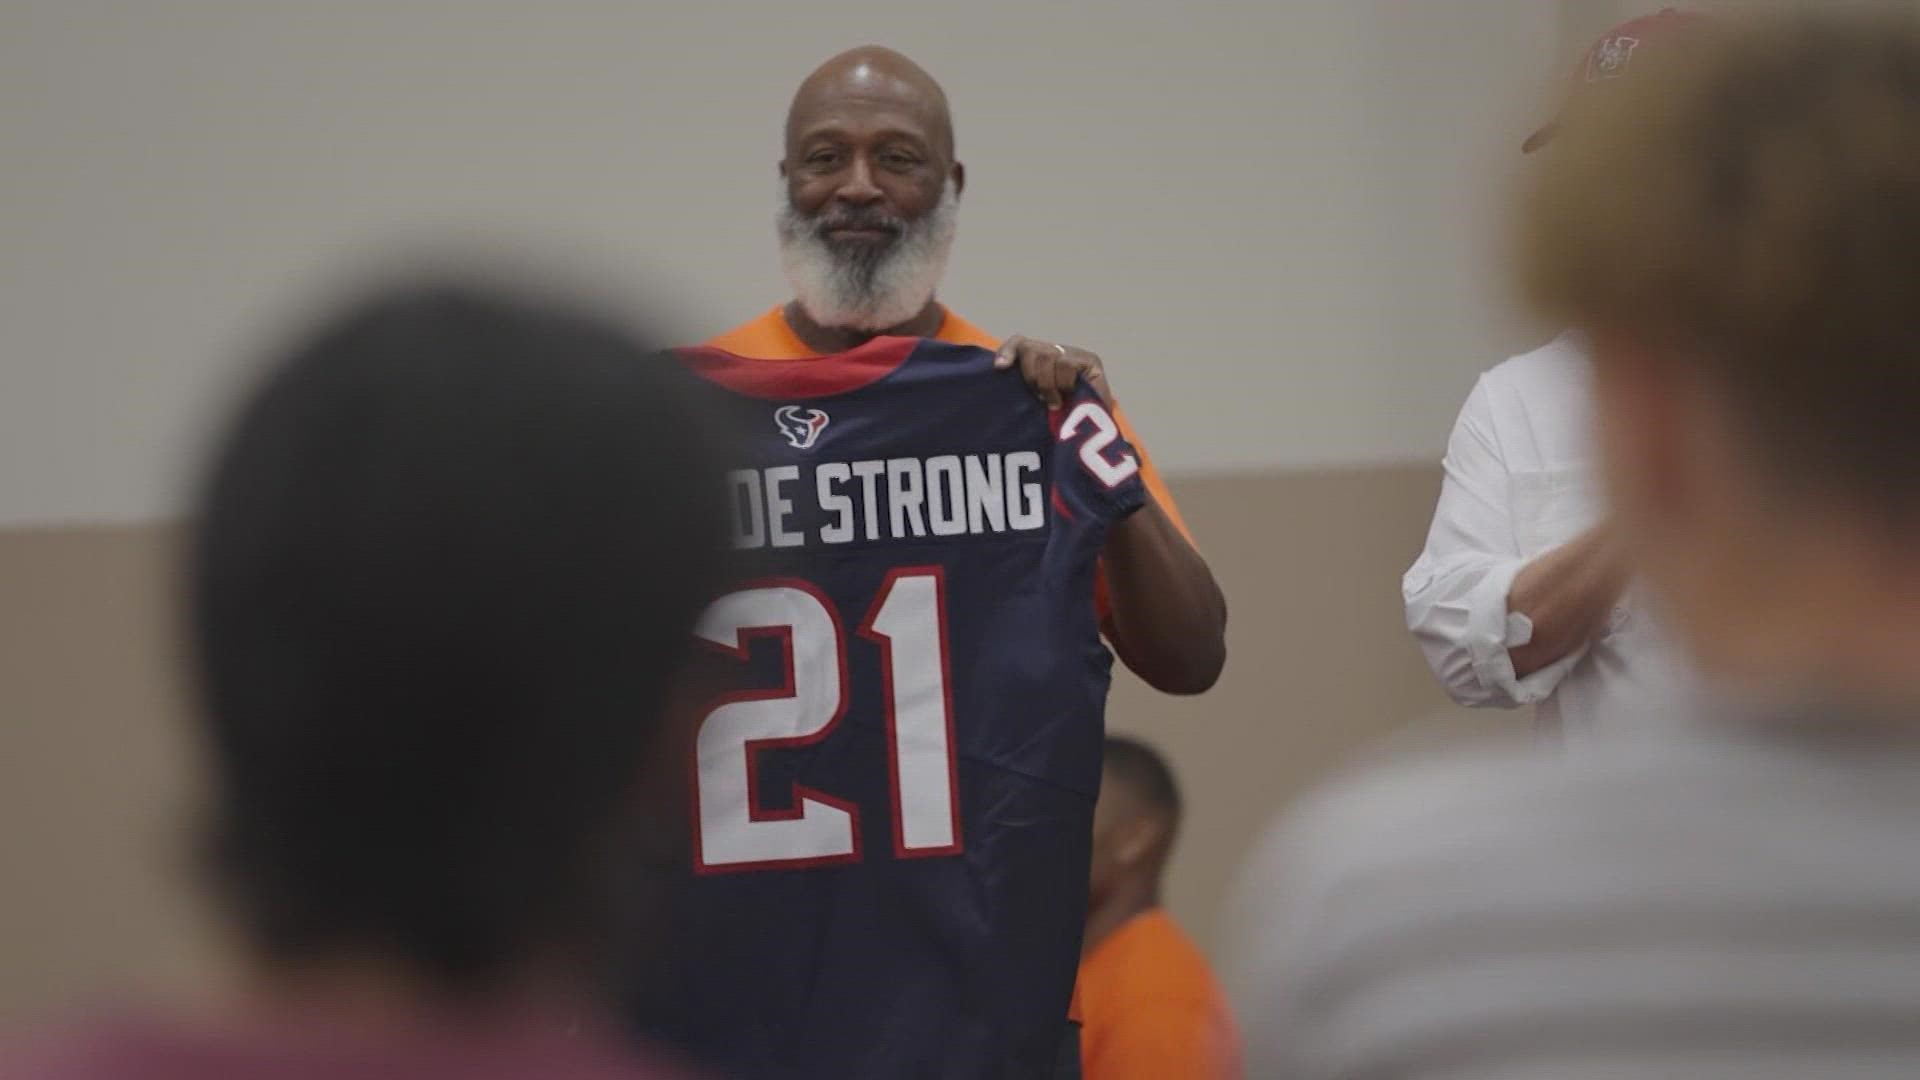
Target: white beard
point(866, 289)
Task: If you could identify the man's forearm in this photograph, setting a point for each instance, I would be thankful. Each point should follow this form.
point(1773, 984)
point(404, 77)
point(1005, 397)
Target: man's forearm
point(1169, 619)
point(1566, 594)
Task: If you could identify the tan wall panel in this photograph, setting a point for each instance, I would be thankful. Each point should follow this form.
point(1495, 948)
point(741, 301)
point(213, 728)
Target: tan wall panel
point(99, 762)
point(1320, 666)
point(98, 770)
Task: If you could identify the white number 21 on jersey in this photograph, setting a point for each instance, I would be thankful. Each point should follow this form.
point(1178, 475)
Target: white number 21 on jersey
point(907, 623)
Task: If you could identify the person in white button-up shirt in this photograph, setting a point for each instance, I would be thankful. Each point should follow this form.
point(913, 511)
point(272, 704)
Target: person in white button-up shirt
point(1521, 596)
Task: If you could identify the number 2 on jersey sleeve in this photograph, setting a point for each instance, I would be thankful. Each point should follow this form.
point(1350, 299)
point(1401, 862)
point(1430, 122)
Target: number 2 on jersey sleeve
point(907, 622)
point(1111, 472)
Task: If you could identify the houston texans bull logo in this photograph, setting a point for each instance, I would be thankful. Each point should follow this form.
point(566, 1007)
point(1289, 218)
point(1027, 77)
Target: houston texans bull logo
point(1610, 58)
point(802, 427)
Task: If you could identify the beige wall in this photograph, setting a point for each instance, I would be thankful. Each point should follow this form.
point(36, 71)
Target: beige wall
point(1291, 198)
point(99, 771)
point(1276, 218)
point(1320, 662)
point(1583, 21)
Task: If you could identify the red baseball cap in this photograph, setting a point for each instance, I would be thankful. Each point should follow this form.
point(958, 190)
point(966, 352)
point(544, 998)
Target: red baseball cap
point(1614, 55)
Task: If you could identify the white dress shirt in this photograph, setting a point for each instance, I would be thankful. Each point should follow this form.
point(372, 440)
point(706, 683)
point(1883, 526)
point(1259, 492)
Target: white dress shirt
point(1521, 481)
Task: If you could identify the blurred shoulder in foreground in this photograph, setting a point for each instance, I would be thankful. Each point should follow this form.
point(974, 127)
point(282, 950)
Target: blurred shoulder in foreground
point(1633, 907)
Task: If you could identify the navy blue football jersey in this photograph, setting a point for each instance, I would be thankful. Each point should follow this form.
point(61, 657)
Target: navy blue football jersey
point(892, 802)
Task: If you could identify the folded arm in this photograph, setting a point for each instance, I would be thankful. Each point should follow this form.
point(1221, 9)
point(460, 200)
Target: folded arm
point(1497, 628)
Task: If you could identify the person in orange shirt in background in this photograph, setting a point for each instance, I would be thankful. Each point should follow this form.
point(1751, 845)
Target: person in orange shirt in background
point(871, 192)
point(1148, 1004)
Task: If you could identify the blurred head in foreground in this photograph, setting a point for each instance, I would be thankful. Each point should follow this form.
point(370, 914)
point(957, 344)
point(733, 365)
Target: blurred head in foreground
point(1737, 231)
point(442, 574)
point(441, 579)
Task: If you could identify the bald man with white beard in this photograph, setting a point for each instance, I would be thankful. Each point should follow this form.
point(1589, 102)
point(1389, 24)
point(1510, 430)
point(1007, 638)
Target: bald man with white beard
point(870, 196)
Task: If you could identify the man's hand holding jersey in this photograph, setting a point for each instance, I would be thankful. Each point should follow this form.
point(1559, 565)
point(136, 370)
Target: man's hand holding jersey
point(1165, 614)
point(1050, 370)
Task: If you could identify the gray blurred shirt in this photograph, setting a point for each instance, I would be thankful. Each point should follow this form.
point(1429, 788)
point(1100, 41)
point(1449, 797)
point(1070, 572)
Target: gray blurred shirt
point(1739, 898)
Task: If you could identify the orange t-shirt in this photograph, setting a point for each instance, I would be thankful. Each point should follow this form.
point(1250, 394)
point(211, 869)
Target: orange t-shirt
point(1149, 1008)
point(770, 337)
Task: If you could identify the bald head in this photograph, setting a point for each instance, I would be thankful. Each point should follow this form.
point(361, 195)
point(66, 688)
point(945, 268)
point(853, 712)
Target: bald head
point(872, 80)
